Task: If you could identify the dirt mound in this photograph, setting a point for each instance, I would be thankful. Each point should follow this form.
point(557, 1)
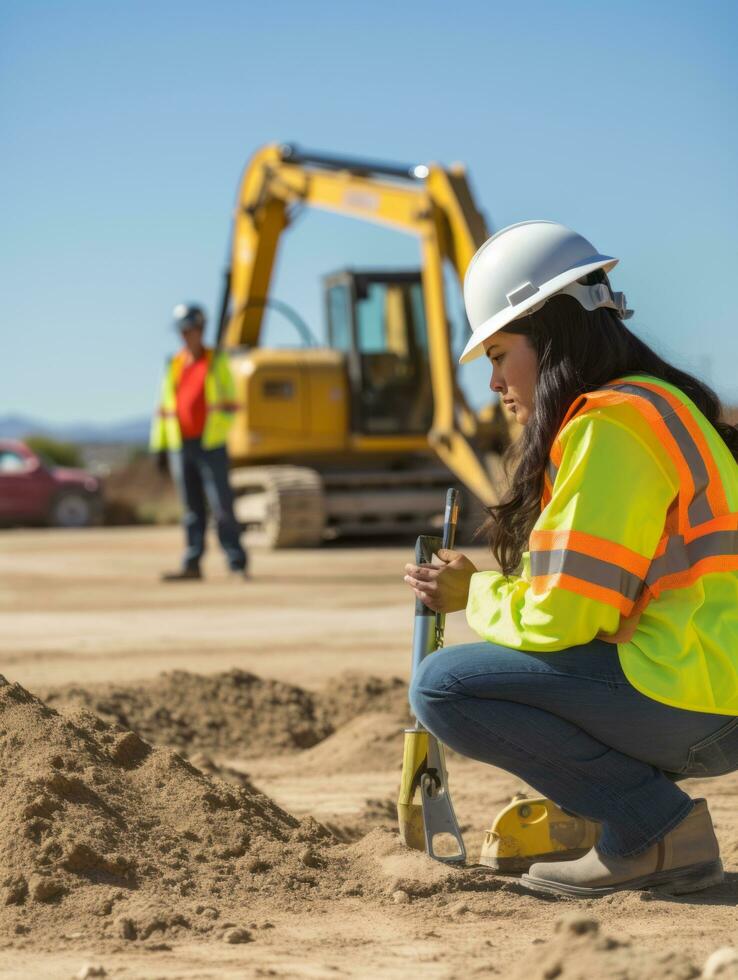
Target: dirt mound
point(578, 950)
point(234, 710)
point(131, 840)
point(218, 712)
point(385, 866)
point(352, 693)
point(370, 742)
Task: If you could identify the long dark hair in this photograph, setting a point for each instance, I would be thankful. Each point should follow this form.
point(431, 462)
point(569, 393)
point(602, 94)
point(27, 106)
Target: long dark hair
point(577, 351)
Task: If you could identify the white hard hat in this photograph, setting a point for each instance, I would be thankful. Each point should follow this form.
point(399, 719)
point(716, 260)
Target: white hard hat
point(522, 266)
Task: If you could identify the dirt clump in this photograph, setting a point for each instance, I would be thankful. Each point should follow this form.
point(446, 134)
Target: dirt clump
point(382, 865)
point(130, 840)
point(579, 950)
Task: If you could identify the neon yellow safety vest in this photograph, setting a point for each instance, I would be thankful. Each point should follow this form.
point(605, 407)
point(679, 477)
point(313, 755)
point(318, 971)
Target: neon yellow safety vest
point(220, 403)
point(637, 544)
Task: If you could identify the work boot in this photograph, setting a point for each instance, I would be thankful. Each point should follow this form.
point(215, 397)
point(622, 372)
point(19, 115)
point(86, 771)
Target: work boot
point(186, 574)
point(687, 859)
point(238, 573)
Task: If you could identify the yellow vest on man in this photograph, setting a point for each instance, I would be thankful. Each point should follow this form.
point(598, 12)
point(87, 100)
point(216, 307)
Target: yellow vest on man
point(220, 404)
point(637, 544)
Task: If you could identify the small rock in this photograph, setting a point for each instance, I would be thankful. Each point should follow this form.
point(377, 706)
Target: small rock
point(722, 963)
point(207, 911)
point(16, 889)
point(308, 858)
point(45, 889)
point(458, 909)
point(238, 936)
point(578, 925)
point(400, 897)
point(126, 928)
point(91, 970)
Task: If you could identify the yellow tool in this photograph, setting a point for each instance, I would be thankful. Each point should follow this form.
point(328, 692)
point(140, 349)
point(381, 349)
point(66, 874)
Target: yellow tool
point(530, 830)
point(431, 824)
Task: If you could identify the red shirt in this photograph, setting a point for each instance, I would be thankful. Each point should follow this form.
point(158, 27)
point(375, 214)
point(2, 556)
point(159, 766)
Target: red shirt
point(191, 397)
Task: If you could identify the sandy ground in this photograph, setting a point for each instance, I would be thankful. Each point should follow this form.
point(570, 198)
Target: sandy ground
point(86, 609)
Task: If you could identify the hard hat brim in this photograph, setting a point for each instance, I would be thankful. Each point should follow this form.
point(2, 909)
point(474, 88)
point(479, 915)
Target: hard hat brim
point(475, 346)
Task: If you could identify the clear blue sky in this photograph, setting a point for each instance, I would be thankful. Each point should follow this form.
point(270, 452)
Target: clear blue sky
point(126, 127)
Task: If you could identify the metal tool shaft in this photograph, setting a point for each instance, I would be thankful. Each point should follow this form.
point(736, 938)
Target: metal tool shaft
point(438, 815)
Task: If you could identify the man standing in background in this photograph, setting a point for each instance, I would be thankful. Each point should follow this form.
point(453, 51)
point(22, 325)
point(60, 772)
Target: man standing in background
point(191, 425)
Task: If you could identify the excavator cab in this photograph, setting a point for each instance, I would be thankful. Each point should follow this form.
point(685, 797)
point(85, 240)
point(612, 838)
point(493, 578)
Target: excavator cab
point(377, 319)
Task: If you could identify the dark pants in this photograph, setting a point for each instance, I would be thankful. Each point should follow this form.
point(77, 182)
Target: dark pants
point(202, 475)
point(572, 726)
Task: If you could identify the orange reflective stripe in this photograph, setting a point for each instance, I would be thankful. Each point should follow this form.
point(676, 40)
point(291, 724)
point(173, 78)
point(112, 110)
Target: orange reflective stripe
point(544, 583)
point(677, 439)
point(682, 556)
point(612, 396)
point(715, 489)
point(682, 580)
point(586, 570)
point(595, 547)
point(700, 535)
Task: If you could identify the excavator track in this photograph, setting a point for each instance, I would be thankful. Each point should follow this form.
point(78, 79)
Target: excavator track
point(279, 506)
point(299, 507)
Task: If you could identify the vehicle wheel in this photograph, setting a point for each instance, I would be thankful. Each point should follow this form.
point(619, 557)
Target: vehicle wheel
point(72, 508)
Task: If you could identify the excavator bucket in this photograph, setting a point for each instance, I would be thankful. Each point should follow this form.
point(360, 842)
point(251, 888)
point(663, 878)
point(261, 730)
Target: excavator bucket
point(530, 830)
point(410, 812)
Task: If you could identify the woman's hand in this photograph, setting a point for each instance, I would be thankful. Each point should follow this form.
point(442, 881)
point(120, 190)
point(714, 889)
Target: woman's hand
point(443, 588)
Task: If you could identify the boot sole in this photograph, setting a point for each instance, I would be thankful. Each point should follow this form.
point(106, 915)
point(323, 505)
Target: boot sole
point(681, 881)
point(518, 865)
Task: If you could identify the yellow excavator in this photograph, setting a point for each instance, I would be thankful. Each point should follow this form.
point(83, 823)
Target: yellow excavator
point(362, 434)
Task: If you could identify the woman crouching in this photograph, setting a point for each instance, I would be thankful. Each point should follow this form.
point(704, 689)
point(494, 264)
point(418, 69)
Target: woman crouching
point(608, 667)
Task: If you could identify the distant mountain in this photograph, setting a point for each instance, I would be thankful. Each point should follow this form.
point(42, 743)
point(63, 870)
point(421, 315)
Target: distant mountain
point(129, 431)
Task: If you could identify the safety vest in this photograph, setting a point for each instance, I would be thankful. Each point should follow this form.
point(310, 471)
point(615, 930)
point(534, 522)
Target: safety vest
point(700, 533)
point(220, 403)
point(637, 544)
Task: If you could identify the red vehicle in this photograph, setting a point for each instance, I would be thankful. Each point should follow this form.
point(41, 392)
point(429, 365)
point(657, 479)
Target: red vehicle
point(33, 491)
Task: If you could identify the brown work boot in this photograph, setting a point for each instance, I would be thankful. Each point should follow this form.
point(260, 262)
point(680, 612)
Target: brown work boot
point(687, 859)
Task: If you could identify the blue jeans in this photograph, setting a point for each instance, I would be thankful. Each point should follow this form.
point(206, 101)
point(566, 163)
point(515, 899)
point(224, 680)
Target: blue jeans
point(201, 475)
point(571, 725)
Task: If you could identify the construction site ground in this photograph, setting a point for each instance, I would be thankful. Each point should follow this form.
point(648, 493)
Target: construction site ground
point(134, 861)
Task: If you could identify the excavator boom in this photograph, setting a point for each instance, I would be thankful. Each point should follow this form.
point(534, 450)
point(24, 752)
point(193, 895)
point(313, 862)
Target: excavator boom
point(431, 202)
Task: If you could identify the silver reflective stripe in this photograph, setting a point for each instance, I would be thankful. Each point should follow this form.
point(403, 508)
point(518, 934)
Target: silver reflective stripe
point(588, 569)
point(699, 507)
point(551, 471)
point(680, 556)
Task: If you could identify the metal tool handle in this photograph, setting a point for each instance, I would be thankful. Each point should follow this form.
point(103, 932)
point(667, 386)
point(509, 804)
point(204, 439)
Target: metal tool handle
point(428, 631)
point(450, 524)
point(450, 517)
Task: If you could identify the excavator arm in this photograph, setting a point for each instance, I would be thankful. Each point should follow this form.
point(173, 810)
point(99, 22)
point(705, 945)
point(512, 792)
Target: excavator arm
point(433, 203)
